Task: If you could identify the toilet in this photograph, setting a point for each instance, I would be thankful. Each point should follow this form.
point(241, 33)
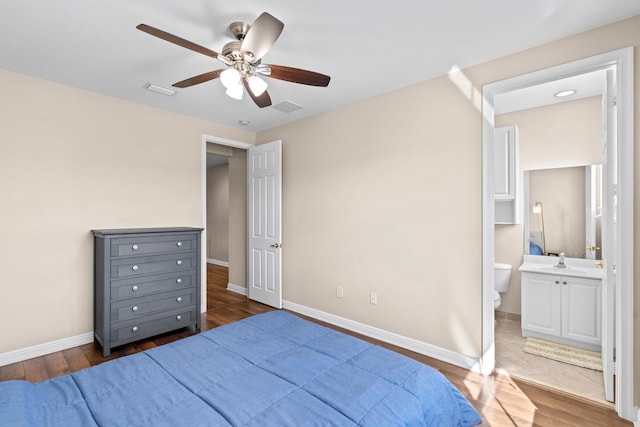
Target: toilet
point(502, 275)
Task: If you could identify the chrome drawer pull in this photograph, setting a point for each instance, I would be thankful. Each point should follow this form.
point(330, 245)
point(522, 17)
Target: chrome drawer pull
point(179, 262)
point(134, 247)
point(134, 308)
point(134, 268)
point(134, 329)
point(179, 244)
point(178, 280)
point(134, 288)
point(179, 299)
point(178, 317)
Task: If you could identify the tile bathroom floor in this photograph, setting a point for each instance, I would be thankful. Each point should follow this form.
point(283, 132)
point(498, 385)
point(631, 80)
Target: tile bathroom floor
point(572, 379)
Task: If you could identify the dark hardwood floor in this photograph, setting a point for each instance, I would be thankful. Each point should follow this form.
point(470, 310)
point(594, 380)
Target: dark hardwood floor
point(501, 400)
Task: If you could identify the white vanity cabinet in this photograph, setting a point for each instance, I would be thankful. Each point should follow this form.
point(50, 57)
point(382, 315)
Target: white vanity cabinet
point(564, 309)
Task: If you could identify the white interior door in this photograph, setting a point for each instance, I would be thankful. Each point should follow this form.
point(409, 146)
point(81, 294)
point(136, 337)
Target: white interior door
point(609, 237)
point(264, 229)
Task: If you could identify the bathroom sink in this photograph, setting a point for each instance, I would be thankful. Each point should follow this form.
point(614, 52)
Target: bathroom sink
point(583, 270)
point(557, 270)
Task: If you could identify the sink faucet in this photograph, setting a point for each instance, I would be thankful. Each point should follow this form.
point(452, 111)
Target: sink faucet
point(561, 263)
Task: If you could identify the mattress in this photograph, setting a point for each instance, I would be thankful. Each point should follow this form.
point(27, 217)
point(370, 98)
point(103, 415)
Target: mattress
point(271, 369)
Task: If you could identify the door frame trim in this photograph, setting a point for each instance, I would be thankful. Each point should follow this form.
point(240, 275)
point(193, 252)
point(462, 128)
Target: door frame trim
point(206, 139)
point(623, 60)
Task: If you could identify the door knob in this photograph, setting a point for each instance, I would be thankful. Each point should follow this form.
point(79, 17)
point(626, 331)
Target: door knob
point(276, 245)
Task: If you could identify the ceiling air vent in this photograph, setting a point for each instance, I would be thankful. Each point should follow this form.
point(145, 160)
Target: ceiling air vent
point(159, 89)
point(287, 107)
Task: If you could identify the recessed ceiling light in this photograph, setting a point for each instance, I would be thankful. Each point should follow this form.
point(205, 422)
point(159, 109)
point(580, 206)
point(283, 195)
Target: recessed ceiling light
point(159, 89)
point(565, 93)
point(243, 122)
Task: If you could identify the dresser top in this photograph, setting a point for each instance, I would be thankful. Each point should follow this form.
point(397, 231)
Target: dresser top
point(114, 231)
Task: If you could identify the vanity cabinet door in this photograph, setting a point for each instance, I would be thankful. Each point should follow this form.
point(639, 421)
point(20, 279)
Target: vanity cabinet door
point(504, 163)
point(542, 303)
point(581, 314)
point(505, 175)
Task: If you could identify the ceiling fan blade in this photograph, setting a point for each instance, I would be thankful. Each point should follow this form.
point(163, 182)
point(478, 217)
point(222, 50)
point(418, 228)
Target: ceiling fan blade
point(177, 40)
point(261, 101)
point(196, 80)
point(297, 75)
point(261, 36)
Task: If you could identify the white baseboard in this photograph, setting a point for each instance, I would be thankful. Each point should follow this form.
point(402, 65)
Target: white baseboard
point(439, 353)
point(218, 262)
point(46, 348)
point(236, 288)
point(636, 423)
point(445, 355)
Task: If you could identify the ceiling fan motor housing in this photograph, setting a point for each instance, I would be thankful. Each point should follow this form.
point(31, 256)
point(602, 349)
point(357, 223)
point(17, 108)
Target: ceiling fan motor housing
point(232, 50)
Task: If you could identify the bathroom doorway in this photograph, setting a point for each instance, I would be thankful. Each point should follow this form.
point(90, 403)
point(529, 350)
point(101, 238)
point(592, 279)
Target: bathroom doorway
point(555, 143)
point(620, 262)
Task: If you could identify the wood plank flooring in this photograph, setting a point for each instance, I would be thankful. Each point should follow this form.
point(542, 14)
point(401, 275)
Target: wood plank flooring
point(501, 400)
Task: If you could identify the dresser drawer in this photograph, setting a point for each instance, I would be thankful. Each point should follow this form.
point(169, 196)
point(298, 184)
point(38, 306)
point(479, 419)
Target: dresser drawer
point(143, 327)
point(137, 307)
point(145, 245)
point(136, 266)
point(140, 286)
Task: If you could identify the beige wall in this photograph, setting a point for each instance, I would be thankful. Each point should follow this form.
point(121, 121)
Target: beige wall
point(218, 213)
point(384, 195)
point(561, 135)
point(238, 218)
point(72, 161)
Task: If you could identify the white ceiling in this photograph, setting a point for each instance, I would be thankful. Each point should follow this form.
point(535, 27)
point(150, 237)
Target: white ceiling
point(368, 47)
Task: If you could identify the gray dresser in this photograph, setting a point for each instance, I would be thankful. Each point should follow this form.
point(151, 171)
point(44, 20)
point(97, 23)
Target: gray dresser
point(147, 282)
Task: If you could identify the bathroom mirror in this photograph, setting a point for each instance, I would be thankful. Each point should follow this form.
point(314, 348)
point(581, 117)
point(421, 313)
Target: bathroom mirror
point(562, 212)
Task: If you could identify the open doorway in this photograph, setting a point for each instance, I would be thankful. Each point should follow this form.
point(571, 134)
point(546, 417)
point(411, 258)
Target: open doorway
point(253, 192)
point(557, 138)
point(618, 268)
point(224, 204)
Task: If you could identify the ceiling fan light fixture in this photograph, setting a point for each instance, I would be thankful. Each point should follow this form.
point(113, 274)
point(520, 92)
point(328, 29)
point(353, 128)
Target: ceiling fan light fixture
point(235, 91)
point(257, 85)
point(230, 78)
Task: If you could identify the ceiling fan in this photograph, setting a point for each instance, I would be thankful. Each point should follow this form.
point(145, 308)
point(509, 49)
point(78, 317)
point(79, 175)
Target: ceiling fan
point(243, 57)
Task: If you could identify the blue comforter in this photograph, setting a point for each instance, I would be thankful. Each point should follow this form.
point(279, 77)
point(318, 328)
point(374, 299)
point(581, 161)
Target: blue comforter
point(272, 369)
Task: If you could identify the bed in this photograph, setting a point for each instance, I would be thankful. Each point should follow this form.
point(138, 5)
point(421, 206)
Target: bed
point(271, 369)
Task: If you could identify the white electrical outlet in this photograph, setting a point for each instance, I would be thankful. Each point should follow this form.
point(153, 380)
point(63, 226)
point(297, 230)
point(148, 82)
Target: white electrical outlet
point(373, 298)
point(340, 292)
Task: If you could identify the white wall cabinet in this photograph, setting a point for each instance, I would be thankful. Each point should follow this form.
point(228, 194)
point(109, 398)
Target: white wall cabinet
point(562, 309)
point(505, 174)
